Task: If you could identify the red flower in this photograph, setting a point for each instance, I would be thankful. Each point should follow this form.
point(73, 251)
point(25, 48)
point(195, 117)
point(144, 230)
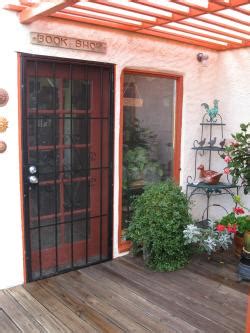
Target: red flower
point(227, 159)
point(239, 210)
point(220, 227)
point(232, 228)
point(227, 171)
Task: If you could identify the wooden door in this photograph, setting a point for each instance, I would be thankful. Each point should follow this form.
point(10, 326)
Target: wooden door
point(67, 164)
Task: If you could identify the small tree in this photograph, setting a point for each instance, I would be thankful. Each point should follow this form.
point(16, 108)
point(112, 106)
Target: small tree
point(159, 217)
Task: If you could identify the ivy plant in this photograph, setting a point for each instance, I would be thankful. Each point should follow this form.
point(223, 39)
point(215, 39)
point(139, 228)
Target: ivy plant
point(160, 214)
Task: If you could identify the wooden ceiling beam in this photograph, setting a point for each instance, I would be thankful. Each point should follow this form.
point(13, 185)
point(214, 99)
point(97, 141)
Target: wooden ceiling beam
point(135, 10)
point(206, 34)
point(108, 18)
point(212, 6)
point(229, 33)
point(236, 3)
point(106, 10)
point(42, 9)
point(233, 19)
point(223, 25)
point(89, 20)
point(185, 40)
point(31, 10)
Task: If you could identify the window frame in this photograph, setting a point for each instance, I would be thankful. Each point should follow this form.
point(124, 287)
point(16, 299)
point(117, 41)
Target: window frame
point(124, 246)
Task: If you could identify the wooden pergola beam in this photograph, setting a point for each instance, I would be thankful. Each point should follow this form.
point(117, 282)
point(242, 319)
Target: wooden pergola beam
point(43, 8)
point(210, 19)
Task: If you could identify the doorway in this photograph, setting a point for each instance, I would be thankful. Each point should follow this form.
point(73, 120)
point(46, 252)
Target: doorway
point(67, 144)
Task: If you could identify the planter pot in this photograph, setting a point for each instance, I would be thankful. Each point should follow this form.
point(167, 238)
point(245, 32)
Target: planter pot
point(238, 244)
point(137, 183)
point(247, 241)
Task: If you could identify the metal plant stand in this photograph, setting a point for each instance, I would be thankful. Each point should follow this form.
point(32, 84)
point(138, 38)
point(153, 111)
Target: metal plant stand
point(207, 147)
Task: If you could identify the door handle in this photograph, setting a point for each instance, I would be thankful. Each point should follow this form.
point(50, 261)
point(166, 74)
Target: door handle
point(33, 179)
point(32, 169)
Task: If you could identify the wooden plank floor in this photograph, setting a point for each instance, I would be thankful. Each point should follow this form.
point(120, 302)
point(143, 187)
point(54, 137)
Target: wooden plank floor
point(123, 296)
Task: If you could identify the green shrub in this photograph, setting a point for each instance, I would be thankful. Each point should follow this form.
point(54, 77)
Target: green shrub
point(159, 217)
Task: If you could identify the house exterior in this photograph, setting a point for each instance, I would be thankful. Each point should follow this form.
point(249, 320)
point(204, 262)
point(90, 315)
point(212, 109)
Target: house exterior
point(67, 105)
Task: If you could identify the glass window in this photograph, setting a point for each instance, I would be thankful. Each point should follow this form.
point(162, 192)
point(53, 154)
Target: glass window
point(78, 95)
point(148, 122)
point(43, 93)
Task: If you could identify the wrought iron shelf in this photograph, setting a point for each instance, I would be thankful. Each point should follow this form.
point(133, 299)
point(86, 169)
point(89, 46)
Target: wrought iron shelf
point(209, 189)
point(210, 148)
point(219, 186)
point(211, 132)
point(213, 124)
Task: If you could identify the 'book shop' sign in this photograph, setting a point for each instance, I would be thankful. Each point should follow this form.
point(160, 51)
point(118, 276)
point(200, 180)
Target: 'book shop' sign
point(67, 42)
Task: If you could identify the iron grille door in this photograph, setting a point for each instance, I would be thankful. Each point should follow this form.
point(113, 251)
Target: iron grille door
point(67, 164)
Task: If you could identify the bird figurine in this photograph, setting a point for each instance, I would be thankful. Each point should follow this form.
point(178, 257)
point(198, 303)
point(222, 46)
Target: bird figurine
point(212, 142)
point(212, 112)
point(209, 176)
point(222, 143)
point(202, 142)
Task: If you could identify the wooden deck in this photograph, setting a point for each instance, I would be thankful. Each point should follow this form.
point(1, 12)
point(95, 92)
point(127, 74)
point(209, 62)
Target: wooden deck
point(123, 296)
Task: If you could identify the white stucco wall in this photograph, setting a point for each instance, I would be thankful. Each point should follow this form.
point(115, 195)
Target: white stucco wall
point(201, 84)
point(233, 86)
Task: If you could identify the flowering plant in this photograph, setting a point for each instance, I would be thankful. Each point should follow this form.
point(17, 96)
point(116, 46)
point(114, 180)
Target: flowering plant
point(238, 219)
point(209, 239)
point(238, 157)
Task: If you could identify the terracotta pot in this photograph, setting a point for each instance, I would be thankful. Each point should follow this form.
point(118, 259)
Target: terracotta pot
point(247, 241)
point(238, 244)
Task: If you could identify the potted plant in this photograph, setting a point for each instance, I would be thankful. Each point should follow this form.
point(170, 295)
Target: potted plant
point(210, 239)
point(240, 219)
point(238, 157)
point(139, 168)
point(160, 214)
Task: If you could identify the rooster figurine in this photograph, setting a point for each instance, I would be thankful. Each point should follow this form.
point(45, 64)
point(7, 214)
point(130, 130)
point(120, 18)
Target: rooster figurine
point(212, 112)
point(209, 176)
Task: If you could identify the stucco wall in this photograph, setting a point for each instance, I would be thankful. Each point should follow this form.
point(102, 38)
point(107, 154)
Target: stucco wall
point(233, 87)
point(201, 84)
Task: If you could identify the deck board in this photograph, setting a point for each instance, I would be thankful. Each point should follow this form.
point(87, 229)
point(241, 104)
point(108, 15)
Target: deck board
point(124, 296)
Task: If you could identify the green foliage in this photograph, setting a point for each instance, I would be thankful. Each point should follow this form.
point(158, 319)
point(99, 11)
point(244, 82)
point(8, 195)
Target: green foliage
point(239, 152)
point(208, 239)
point(159, 217)
point(137, 136)
point(137, 164)
point(242, 222)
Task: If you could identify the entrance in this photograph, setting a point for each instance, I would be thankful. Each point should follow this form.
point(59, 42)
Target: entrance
point(67, 143)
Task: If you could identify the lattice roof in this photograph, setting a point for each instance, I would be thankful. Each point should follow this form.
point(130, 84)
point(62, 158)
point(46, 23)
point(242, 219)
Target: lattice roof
point(216, 24)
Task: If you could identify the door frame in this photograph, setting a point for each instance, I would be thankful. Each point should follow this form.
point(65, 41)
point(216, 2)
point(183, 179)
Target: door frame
point(124, 246)
point(22, 135)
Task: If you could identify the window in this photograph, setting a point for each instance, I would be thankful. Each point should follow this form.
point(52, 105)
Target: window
point(149, 104)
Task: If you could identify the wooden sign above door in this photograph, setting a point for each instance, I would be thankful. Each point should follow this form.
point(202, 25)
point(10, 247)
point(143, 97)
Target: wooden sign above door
point(67, 42)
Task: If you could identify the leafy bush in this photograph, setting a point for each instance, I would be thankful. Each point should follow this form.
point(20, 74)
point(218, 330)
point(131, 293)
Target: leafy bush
point(159, 217)
point(238, 156)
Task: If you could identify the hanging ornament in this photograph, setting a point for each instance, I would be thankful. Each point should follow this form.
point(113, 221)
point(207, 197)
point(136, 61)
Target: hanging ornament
point(4, 97)
point(131, 95)
point(3, 146)
point(3, 124)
